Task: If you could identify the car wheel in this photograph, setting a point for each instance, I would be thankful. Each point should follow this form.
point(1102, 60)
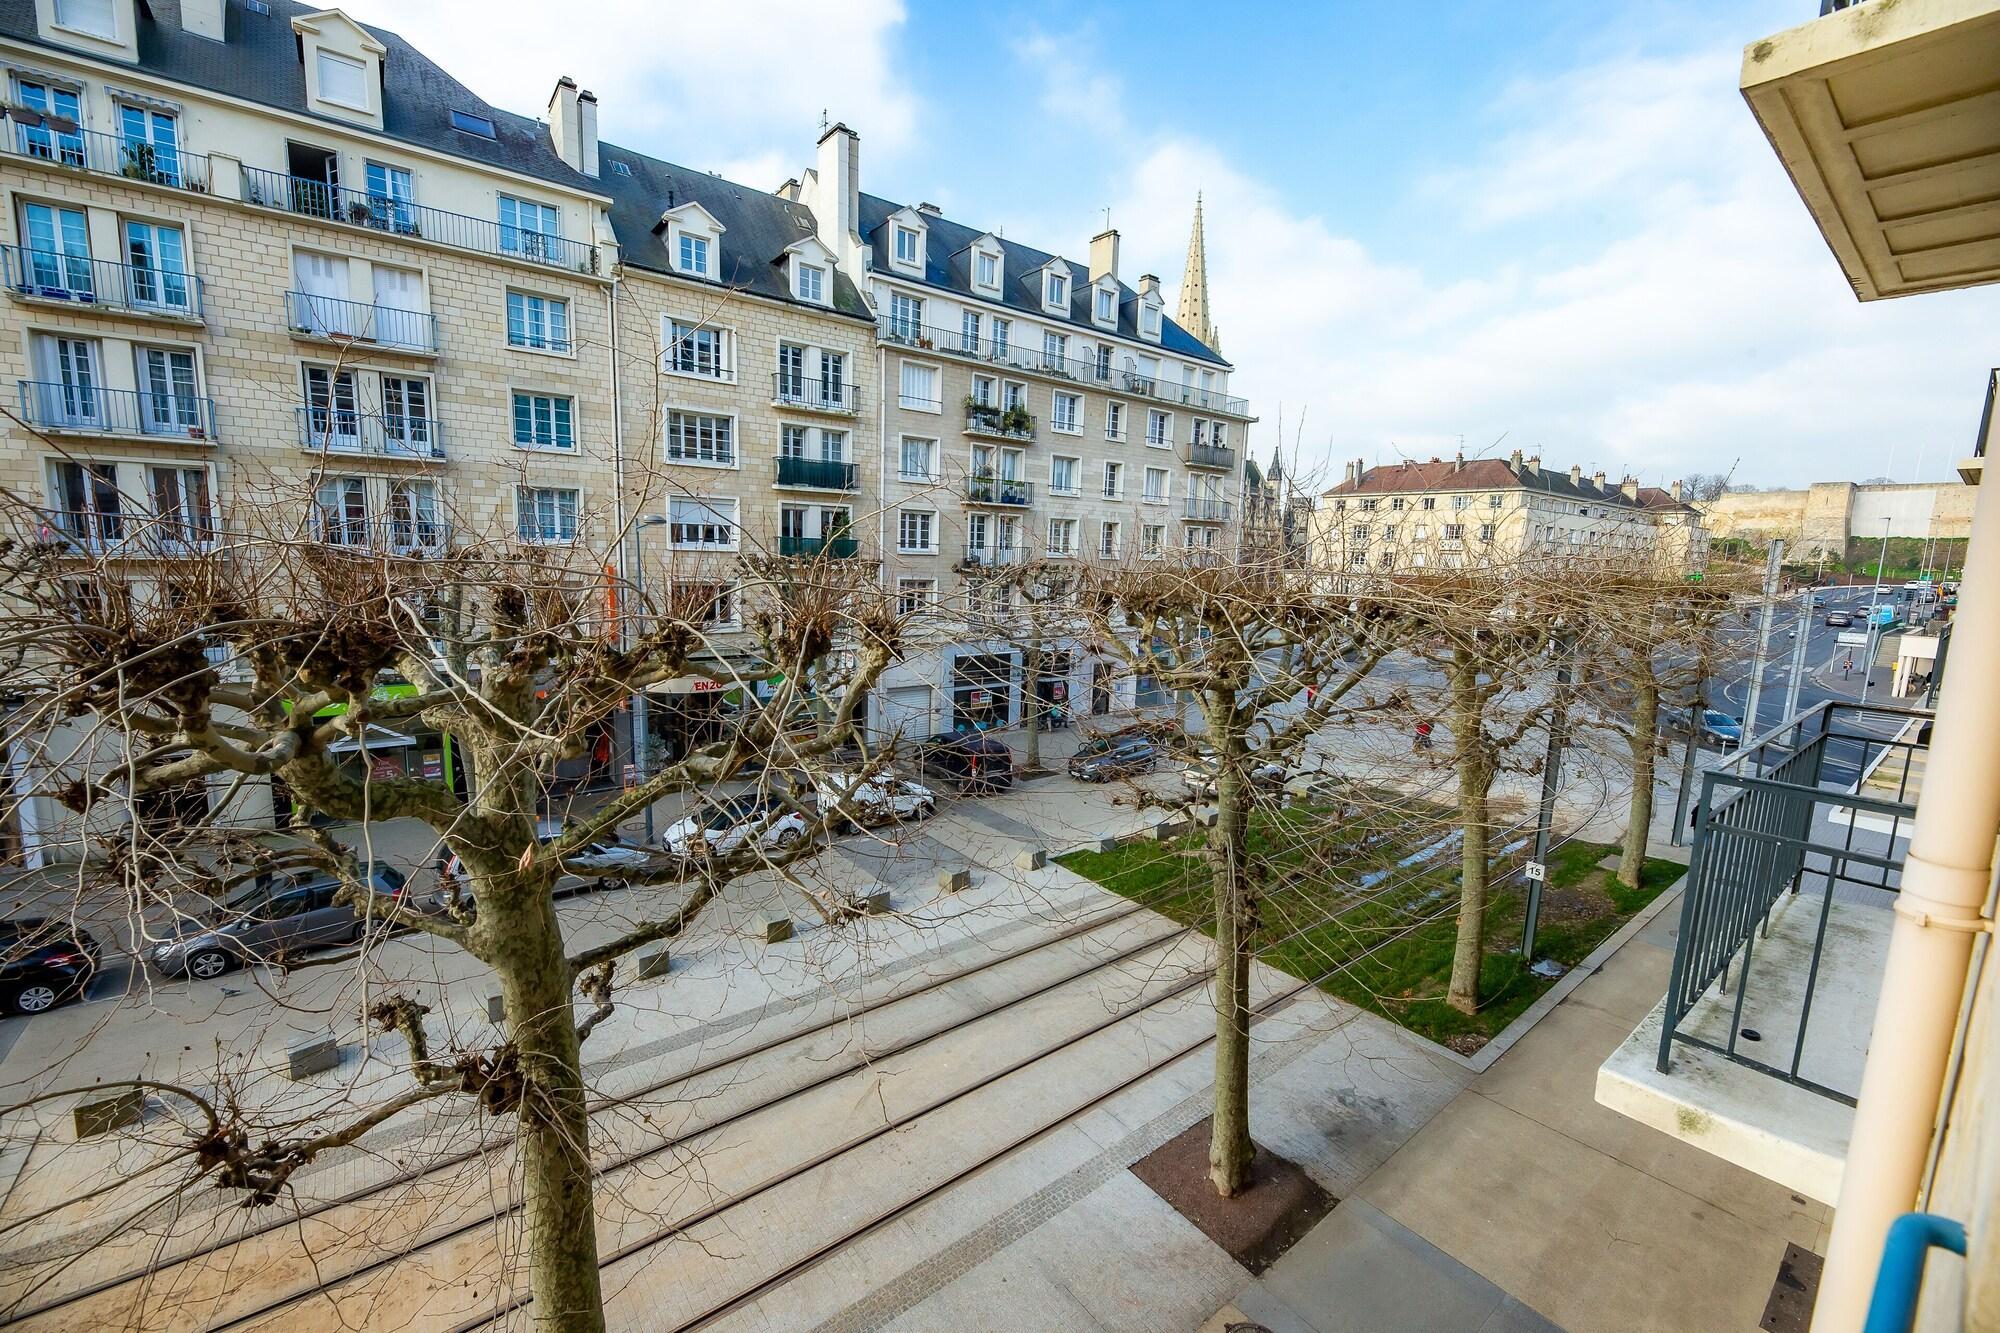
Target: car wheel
point(926, 809)
point(34, 997)
point(786, 837)
point(208, 964)
point(614, 883)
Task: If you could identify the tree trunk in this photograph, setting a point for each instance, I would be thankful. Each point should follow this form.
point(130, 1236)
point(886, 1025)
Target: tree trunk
point(1229, 1147)
point(1031, 666)
point(1475, 778)
point(1639, 822)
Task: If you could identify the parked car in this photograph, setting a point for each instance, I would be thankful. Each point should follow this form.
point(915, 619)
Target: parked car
point(1839, 619)
point(976, 762)
point(1123, 760)
point(882, 799)
point(1199, 776)
point(43, 963)
point(1097, 742)
point(266, 919)
point(722, 827)
point(604, 859)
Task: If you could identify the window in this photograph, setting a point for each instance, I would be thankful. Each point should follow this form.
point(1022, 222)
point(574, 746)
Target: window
point(1430, 502)
point(1367, 506)
point(919, 459)
point(920, 387)
point(545, 513)
point(692, 256)
point(1156, 485)
point(1389, 532)
point(1152, 537)
point(1055, 350)
point(811, 284)
point(1159, 428)
point(390, 193)
point(150, 144)
point(1461, 502)
point(544, 421)
point(1114, 421)
point(1055, 290)
point(407, 425)
point(58, 252)
point(1068, 414)
point(1108, 539)
point(1062, 475)
point(983, 389)
point(98, 18)
point(1358, 559)
point(413, 516)
point(343, 80)
point(986, 270)
point(167, 401)
point(1107, 305)
point(64, 146)
point(968, 331)
point(528, 228)
point(1358, 533)
point(540, 323)
point(342, 503)
point(1396, 503)
point(909, 246)
point(906, 317)
point(1149, 322)
point(695, 524)
point(87, 501)
point(468, 123)
point(916, 531)
point(1062, 536)
point(693, 349)
point(1001, 329)
point(182, 514)
point(698, 437)
point(1389, 559)
point(1114, 481)
point(914, 596)
point(1013, 395)
point(1486, 532)
point(332, 411)
point(1493, 501)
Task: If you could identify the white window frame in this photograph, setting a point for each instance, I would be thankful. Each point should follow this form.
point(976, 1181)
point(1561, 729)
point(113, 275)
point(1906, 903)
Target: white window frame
point(1151, 317)
point(998, 259)
point(668, 435)
point(1076, 475)
point(1166, 492)
point(727, 508)
point(1056, 400)
point(1117, 412)
point(931, 530)
point(1166, 438)
point(322, 60)
point(921, 586)
point(65, 18)
point(568, 348)
point(1062, 547)
point(1152, 540)
point(1114, 479)
point(1056, 280)
point(934, 406)
point(930, 474)
point(673, 331)
point(522, 491)
point(1097, 297)
point(822, 281)
point(1110, 539)
point(533, 396)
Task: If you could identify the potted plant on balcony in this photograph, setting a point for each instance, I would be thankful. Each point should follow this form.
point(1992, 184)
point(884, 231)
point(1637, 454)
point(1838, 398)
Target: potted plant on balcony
point(359, 213)
point(1016, 420)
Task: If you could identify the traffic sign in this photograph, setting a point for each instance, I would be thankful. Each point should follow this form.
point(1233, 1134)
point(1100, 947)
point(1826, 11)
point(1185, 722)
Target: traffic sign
point(1535, 870)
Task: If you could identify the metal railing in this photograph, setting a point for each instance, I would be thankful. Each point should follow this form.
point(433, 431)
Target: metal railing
point(808, 548)
point(57, 142)
point(820, 474)
point(399, 217)
point(1201, 509)
point(1211, 455)
point(789, 390)
point(995, 557)
point(100, 284)
point(1021, 356)
point(408, 535)
point(383, 326)
point(982, 489)
point(1775, 820)
point(995, 421)
point(127, 536)
point(82, 409)
point(336, 430)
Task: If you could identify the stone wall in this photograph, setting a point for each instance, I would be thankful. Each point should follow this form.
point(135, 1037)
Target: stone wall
point(1825, 516)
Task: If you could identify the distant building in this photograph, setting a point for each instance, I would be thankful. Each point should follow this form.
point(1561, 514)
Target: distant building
point(1277, 514)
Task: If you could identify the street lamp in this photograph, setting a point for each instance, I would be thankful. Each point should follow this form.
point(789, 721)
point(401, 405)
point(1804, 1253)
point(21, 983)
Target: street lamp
point(642, 736)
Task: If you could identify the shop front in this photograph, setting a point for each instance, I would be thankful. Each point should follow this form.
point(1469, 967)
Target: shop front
point(982, 691)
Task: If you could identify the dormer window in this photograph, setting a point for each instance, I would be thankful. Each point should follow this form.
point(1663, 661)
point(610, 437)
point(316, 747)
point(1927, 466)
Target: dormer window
point(811, 284)
point(909, 246)
point(1149, 322)
point(343, 66)
point(344, 80)
point(811, 270)
point(92, 18)
point(693, 256)
point(1104, 306)
point(986, 271)
point(694, 241)
point(1055, 290)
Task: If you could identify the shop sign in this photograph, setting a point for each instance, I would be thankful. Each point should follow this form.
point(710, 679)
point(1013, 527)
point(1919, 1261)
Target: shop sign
point(979, 698)
point(433, 765)
point(386, 767)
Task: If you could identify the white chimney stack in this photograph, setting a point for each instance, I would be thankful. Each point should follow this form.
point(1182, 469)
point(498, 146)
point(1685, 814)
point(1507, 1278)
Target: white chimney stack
point(586, 126)
point(1104, 255)
point(835, 196)
point(565, 128)
point(203, 18)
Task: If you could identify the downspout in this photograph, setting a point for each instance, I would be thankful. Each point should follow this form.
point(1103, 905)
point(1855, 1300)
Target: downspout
point(1937, 917)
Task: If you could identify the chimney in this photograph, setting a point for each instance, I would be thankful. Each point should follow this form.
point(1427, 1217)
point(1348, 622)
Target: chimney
point(1675, 491)
point(1104, 255)
point(1597, 480)
point(1458, 463)
point(586, 124)
point(203, 18)
point(1575, 475)
point(835, 196)
point(565, 131)
point(932, 209)
point(1149, 285)
point(1514, 460)
point(1630, 486)
point(1533, 463)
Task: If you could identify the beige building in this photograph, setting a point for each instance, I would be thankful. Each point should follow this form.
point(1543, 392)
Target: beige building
point(1825, 517)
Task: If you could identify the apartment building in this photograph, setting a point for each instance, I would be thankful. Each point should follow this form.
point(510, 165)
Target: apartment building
point(1466, 513)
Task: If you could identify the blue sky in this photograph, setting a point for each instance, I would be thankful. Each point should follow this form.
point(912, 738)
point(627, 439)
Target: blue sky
point(1536, 225)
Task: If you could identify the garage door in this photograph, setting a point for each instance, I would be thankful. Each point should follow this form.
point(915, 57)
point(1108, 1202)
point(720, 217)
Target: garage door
point(906, 709)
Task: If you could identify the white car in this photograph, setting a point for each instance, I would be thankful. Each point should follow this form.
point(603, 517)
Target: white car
point(726, 826)
point(882, 799)
point(604, 860)
point(1199, 775)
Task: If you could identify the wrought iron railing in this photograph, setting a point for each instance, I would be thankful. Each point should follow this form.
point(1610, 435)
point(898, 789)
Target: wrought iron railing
point(999, 422)
point(399, 217)
point(396, 535)
point(995, 557)
point(818, 395)
point(337, 320)
point(989, 490)
point(1778, 820)
point(1021, 356)
point(808, 548)
point(336, 430)
point(1211, 455)
point(1201, 509)
point(128, 536)
point(820, 474)
point(60, 143)
point(85, 409)
point(100, 284)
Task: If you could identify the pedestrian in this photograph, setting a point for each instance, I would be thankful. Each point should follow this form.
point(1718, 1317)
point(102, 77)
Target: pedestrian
point(1424, 734)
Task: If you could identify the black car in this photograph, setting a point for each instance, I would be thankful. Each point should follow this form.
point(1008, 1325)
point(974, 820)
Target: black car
point(1120, 761)
point(977, 762)
point(43, 963)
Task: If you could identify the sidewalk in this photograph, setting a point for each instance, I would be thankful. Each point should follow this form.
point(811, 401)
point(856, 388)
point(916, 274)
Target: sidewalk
point(1523, 1205)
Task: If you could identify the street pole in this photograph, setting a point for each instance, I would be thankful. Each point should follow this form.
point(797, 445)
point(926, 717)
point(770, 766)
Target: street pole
point(1799, 655)
point(1545, 817)
point(1868, 660)
point(1772, 569)
point(1695, 712)
point(642, 733)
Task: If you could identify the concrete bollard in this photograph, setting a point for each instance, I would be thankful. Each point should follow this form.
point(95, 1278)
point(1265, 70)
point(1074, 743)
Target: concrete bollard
point(496, 1008)
point(777, 929)
point(654, 964)
point(873, 904)
point(1167, 830)
point(108, 1113)
point(1031, 858)
point(954, 881)
point(313, 1056)
point(1207, 818)
point(1108, 843)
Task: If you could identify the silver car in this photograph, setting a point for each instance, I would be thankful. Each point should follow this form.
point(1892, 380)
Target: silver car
point(266, 920)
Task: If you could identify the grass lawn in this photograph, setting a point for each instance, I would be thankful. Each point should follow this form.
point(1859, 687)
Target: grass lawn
point(1347, 882)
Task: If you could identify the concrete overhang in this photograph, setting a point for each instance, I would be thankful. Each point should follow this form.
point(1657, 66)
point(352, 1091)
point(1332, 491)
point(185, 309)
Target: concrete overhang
point(1886, 114)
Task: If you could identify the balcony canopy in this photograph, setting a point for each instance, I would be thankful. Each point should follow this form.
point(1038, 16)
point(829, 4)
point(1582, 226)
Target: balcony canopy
point(1886, 114)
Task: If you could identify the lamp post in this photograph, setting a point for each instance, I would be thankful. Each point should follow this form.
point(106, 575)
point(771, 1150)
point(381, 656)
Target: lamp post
point(642, 736)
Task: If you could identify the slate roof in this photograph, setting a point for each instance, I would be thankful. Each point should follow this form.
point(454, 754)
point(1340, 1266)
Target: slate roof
point(258, 61)
point(947, 265)
point(1493, 474)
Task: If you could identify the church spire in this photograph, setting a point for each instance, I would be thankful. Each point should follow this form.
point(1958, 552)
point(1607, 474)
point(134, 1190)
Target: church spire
point(1193, 314)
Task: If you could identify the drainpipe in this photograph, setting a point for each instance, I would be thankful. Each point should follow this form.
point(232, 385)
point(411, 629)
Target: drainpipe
point(1937, 917)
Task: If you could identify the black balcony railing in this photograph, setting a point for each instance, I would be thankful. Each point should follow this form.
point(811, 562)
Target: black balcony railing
point(337, 430)
point(1211, 455)
point(1040, 361)
point(1200, 509)
point(100, 284)
point(811, 548)
point(1787, 818)
point(387, 327)
point(60, 143)
point(1001, 423)
point(981, 489)
point(817, 395)
point(399, 217)
point(819, 474)
point(82, 409)
point(129, 536)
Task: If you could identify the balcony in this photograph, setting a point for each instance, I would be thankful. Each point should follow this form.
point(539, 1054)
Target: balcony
point(981, 489)
point(336, 430)
point(76, 409)
point(399, 217)
point(409, 535)
point(1755, 1054)
point(817, 474)
point(1201, 509)
point(75, 283)
point(1012, 423)
point(59, 143)
point(809, 395)
point(1218, 456)
point(812, 548)
point(126, 536)
point(994, 557)
point(1884, 116)
point(329, 319)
